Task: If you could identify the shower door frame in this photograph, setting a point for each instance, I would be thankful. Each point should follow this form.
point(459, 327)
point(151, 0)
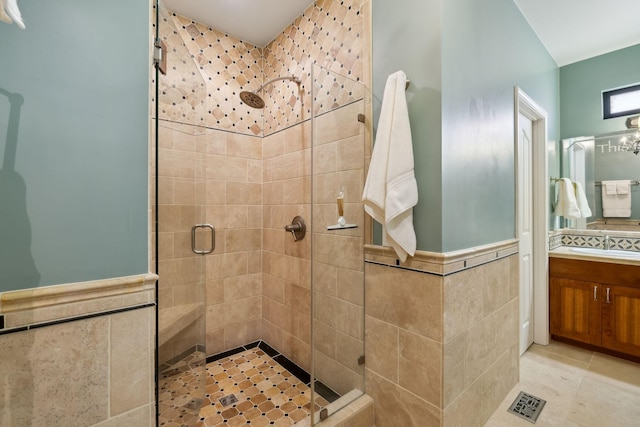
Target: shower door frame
point(194, 326)
point(354, 212)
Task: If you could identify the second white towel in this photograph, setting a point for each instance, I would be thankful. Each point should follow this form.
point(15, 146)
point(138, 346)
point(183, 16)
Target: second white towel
point(566, 203)
point(616, 199)
point(581, 199)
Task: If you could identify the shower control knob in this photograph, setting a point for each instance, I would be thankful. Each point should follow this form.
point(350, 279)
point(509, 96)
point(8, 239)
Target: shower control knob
point(297, 228)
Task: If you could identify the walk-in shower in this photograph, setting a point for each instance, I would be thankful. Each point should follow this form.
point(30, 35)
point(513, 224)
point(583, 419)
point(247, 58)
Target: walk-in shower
point(252, 99)
point(268, 328)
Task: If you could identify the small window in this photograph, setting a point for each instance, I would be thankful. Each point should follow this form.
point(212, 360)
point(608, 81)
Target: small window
point(621, 102)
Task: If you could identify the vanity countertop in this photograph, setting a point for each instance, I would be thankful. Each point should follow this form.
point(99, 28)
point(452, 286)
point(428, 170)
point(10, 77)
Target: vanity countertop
point(603, 256)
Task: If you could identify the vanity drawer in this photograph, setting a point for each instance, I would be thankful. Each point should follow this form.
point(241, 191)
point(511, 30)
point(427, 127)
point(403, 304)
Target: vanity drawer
point(592, 271)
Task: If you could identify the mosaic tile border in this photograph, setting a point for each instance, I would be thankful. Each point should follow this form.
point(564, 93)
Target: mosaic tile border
point(555, 242)
point(595, 240)
point(442, 264)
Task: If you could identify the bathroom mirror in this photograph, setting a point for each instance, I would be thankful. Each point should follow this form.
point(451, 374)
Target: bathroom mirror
point(591, 148)
point(591, 160)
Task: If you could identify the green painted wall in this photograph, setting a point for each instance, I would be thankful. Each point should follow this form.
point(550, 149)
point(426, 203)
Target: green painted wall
point(488, 49)
point(465, 162)
point(74, 142)
point(406, 36)
point(581, 86)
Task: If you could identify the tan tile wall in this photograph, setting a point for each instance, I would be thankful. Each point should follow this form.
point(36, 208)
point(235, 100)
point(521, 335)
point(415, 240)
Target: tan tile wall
point(181, 197)
point(481, 359)
point(338, 161)
point(330, 33)
point(357, 414)
point(180, 206)
point(213, 176)
point(254, 186)
point(233, 204)
point(181, 91)
point(403, 342)
point(227, 66)
point(286, 263)
point(442, 349)
point(97, 370)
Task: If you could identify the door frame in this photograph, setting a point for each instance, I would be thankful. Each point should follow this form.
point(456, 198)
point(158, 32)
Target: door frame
point(526, 106)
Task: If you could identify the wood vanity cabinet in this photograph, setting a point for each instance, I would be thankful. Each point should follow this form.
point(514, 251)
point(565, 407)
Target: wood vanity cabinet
point(595, 303)
point(621, 320)
point(575, 309)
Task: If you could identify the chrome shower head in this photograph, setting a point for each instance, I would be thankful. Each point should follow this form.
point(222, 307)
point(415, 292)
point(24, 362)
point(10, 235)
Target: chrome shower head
point(252, 99)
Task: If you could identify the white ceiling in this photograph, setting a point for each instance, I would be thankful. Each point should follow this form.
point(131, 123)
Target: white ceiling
point(571, 30)
point(253, 21)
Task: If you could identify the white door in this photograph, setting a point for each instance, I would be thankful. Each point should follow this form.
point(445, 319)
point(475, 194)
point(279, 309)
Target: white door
point(525, 232)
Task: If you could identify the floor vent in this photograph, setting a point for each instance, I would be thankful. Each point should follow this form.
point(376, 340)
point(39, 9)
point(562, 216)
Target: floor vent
point(527, 406)
point(227, 400)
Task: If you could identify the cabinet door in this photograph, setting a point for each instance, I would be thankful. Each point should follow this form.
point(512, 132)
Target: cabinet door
point(575, 310)
point(621, 319)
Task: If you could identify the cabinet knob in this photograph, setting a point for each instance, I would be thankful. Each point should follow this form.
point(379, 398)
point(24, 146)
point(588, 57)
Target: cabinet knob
point(595, 293)
point(608, 300)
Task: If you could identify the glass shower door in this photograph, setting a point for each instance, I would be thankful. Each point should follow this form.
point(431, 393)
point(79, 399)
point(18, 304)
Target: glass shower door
point(180, 237)
point(338, 173)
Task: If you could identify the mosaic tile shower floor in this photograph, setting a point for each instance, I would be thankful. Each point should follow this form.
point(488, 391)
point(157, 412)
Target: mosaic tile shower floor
point(266, 393)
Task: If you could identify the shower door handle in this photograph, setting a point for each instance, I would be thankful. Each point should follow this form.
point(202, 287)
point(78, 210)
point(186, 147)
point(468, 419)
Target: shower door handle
point(193, 239)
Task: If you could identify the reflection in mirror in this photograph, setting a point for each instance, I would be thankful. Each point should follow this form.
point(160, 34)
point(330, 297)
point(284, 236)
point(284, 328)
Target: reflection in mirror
point(606, 157)
point(577, 165)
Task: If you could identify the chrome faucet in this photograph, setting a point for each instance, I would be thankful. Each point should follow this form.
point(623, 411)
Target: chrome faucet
point(606, 244)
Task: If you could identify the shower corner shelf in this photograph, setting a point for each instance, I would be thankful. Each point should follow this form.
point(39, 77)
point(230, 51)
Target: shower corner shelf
point(341, 227)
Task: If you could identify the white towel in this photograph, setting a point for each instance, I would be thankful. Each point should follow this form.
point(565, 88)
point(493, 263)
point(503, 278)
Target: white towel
point(622, 187)
point(581, 199)
point(9, 12)
point(566, 203)
point(616, 199)
point(3, 15)
point(391, 191)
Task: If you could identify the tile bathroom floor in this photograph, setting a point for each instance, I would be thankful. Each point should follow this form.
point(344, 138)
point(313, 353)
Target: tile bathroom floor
point(176, 383)
point(265, 393)
point(582, 388)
